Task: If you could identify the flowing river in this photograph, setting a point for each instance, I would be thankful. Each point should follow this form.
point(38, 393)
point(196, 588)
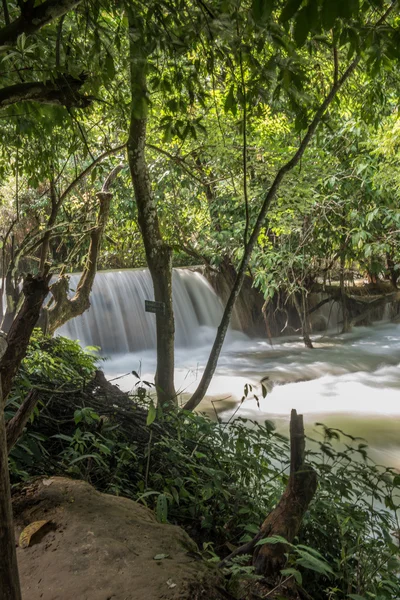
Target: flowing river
point(349, 381)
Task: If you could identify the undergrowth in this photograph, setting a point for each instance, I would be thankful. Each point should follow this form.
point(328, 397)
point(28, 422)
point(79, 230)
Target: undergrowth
point(219, 481)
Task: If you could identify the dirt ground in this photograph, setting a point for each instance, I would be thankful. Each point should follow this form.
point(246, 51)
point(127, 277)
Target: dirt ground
point(101, 547)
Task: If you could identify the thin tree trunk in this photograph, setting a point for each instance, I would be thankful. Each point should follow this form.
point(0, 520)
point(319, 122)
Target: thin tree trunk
point(270, 195)
point(55, 206)
point(303, 316)
point(158, 253)
point(343, 298)
point(11, 288)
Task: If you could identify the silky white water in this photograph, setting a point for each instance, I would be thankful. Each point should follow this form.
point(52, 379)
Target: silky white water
point(349, 381)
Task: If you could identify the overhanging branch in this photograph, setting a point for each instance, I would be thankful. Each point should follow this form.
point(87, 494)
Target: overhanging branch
point(64, 91)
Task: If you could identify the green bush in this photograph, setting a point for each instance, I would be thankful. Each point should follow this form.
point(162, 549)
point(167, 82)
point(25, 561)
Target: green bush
point(53, 366)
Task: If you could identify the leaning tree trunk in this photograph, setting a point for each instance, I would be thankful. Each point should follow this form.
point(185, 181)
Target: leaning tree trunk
point(35, 290)
point(158, 253)
point(286, 518)
point(269, 196)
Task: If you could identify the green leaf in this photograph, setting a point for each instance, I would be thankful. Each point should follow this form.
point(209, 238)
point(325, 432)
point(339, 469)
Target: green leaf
point(294, 573)
point(151, 415)
point(109, 66)
point(308, 561)
point(329, 13)
point(160, 556)
point(230, 102)
point(261, 10)
point(290, 8)
point(274, 539)
point(162, 508)
point(301, 27)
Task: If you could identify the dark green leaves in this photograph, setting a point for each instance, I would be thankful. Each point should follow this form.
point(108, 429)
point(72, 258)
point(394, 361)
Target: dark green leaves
point(231, 102)
point(329, 13)
point(261, 10)
point(109, 66)
point(301, 27)
point(151, 415)
point(290, 9)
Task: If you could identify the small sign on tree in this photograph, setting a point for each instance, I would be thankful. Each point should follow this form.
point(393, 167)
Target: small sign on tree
point(152, 306)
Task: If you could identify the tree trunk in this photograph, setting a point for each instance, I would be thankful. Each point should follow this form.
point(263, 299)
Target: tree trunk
point(303, 316)
point(286, 518)
point(158, 253)
point(35, 291)
point(270, 195)
point(343, 299)
point(11, 289)
point(9, 579)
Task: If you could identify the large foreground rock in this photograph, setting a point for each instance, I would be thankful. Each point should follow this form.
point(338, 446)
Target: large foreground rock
point(101, 547)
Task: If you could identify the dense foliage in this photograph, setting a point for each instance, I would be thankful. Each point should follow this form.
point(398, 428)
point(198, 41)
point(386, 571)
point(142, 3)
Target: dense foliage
point(220, 480)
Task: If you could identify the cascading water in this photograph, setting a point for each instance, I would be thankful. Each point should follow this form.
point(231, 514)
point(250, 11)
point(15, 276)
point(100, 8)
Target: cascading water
point(351, 381)
point(117, 321)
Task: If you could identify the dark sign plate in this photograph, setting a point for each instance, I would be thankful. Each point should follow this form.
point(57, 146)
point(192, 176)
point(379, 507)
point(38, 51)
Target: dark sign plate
point(154, 307)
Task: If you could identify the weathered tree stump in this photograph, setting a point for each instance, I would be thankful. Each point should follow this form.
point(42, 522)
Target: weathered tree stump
point(286, 518)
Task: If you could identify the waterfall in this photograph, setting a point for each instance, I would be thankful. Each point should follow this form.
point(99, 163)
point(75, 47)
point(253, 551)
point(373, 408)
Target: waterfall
point(117, 321)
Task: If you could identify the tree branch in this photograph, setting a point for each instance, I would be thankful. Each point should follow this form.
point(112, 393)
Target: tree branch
point(64, 91)
point(35, 18)
point(15, 426)
point(63, 309)
point(88, 169)
point(35, 290)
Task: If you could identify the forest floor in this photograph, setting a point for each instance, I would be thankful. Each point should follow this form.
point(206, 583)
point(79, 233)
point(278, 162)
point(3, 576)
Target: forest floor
point(100, 547)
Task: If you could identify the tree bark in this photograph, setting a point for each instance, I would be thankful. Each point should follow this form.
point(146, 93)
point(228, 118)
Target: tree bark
point(285, 520)
point(158, 253)
point(343, 298)
point(35, 290)
point(9, 578)
point(270, 195)
point(303, 316)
